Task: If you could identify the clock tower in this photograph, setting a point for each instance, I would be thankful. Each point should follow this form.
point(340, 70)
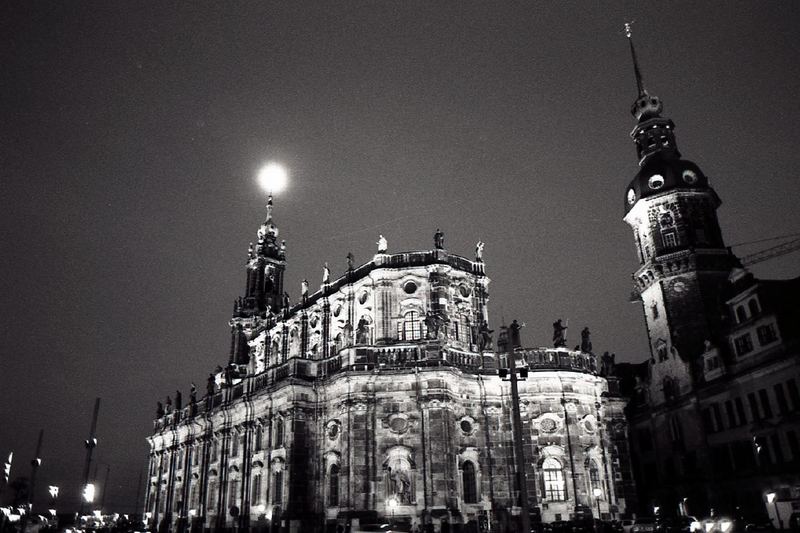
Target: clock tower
point(683, 260)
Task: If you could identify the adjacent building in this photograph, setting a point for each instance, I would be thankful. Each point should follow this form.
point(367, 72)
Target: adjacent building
point(715, 410)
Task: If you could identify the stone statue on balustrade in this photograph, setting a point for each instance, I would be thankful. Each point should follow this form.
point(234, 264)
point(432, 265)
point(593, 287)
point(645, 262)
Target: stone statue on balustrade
point(607, 364)
point(193, 393)
point(559, 334)
point(362, 331)
point(484, 336)
point(479, 251)
point(347, 333)
point(159, 409)
point(211, 385)
point(586, 340)
point(438, 239)
point(178, 400)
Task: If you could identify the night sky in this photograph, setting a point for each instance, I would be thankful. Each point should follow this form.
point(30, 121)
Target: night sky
point(131, 134)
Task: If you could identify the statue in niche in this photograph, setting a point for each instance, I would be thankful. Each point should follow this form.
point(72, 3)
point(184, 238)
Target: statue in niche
point(484, 336)
point(432, 325)
point(383, 245)
point(559, 334)
point(401, 485)
point(586, 340)
point(438, 239)
point(362, 331)
point(159, 409)
point(479, 251)
point(326, 274)
point(347, 331)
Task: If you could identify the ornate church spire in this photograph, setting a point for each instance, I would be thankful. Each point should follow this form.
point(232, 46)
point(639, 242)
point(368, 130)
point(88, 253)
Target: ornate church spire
point(653, 134)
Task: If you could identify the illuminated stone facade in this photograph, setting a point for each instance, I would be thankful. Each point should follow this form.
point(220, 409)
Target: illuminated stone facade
point(370, 401)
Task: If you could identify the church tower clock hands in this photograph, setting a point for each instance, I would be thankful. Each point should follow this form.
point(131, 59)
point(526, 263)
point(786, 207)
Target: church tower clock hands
point(684, 262)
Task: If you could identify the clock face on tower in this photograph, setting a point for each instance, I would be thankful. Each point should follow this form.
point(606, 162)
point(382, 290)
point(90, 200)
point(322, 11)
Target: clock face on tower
point(679, 286)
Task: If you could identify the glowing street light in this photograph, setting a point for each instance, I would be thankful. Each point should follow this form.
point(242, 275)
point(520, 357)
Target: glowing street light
point(88, 493)
point(771, 499)
point(392, 504)
point(53, 490)
point(273, 177)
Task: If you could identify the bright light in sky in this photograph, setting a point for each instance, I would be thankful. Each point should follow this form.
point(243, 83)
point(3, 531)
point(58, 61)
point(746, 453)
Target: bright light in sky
point(273, 178)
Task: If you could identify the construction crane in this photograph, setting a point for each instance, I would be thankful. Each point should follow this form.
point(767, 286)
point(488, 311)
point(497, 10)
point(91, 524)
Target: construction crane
point(773, 251)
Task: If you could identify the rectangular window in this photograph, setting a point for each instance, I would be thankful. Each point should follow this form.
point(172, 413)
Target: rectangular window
point(794, 445)
point(751, 399)
point(765, 406)
point(766, 334)
point(670, 240)
point(717, 416)
point(277, 494)
point(235, 446)
point(791, 386)
point(740, 411)
point(780, 397)
point(744, 344)
point(731, 414)
point(233, 493)
point(255, 496)
point(645, 441)
point(708, 423)
point(776, 448)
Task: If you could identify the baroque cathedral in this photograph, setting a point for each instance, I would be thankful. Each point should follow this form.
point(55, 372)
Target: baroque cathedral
point(378, 399)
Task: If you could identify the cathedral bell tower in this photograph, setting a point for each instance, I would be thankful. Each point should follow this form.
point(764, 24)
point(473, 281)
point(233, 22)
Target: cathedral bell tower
point(266, 263)
point(684, 262)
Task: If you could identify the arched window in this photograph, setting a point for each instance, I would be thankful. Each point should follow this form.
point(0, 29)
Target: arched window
point(258, 440)
point(278, 432)
point(333, 486)
point(753, 306)
point(594, 476)
point(553, 476)
point(211, 502)
point(470, 483)
point(741, 314)
point(235, 446)
point(255, 496)
point(410, 329)
point(233, 493)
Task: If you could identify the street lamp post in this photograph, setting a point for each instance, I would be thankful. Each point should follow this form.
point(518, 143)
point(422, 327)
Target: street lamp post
point(391, 503)
point(512, 341)
point(771, 499)
point(598, 493)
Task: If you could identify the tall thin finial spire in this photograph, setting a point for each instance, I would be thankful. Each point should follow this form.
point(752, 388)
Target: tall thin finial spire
point(269, 208)
point(636, 70)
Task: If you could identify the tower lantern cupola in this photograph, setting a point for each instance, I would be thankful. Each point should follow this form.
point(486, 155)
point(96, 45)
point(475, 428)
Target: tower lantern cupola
point(653, 134)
